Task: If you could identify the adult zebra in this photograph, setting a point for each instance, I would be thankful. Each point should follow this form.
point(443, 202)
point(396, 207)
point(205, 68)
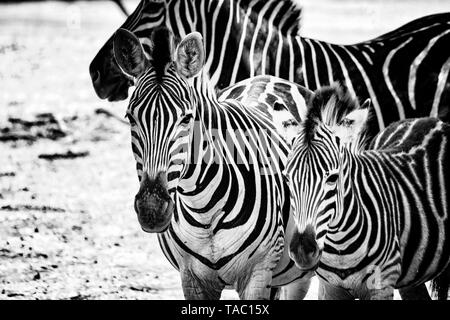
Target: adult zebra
point(370, 220)
point(229, 29)
point(210, 173)
point(404, 72)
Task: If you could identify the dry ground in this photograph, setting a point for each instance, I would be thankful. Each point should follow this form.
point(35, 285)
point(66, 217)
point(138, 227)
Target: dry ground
point(67, 227)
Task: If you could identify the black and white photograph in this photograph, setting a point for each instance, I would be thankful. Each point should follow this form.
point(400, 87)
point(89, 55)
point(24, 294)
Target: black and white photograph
point(224, 150)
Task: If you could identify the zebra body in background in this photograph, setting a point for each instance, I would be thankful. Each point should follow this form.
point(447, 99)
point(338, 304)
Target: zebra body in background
point(210, 173)
point(375, 218)
point(405, 72)
point(229, 28)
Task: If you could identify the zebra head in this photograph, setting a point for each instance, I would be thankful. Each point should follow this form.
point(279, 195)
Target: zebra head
point(334, 123)
point(108, 80)
point(161, 116)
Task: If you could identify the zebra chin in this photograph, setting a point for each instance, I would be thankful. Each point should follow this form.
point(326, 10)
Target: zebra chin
point(153, 205)
point(308, 264)
point(154, 215)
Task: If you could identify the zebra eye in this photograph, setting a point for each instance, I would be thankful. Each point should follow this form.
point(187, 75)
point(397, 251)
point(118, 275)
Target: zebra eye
point(186, 119)
point(347, 122)
point(332, 179)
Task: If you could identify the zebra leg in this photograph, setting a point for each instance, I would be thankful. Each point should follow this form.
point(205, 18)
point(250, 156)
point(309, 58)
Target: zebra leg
point(275, 293)
point(330, 292)
point(194, 289)
point(415, 293)
point(257, 285)
point(296, 290)
point(441, 284)
point(386, 293)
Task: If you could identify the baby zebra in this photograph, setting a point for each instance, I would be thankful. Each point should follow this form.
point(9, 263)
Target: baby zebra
point(369, 219)
point(210, 173)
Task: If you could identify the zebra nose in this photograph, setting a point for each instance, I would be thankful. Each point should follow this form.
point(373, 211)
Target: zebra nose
point(304, 249)
point(153, 205)
point(97, 81)
point(144, 179)
point(95, 76)
point(144, 190)
point(94, 71)
point(154, 215)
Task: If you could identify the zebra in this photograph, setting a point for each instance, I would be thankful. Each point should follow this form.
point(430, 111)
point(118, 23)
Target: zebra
point(224, 24)
point(370, 216)
point(209, 171)
point(405, 72)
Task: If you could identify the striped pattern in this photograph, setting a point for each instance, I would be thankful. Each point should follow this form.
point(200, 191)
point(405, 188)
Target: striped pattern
point(404, 72)
point(225, 25)
point(223, 161)
point(381, 215)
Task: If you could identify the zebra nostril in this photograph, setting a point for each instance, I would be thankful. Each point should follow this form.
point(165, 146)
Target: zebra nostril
point(95, 76)
point(164, 206)
point(309, 247)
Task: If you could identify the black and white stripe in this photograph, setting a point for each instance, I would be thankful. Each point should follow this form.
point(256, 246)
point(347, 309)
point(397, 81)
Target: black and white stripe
point(404, 72)
point(380, 216)
point(223, 163)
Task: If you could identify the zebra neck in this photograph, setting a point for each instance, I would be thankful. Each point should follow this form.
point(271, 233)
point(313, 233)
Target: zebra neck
point(347, 201)
point(368, 196)
point(204, 135)
point(201, 193)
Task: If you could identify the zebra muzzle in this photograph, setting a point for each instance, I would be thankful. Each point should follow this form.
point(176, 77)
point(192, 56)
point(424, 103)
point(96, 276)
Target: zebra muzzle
point(108, 80)
point(153, 205)
point(304, 249)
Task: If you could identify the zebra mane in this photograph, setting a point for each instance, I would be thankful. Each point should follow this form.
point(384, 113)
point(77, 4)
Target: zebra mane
point(288, 17)
point(161, 53)
point(330, 106)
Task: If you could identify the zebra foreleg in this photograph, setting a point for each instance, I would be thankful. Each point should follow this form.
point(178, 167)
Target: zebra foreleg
point(257, 285)
point(296, 290)
point(330, 292)
point(415, 293)
point(386, 293)
point(194, 289)
point(441, 284)
point(275, 293)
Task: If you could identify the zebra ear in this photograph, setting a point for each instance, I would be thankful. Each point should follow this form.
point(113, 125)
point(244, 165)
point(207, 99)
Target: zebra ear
point(129, 53)
point(359, 117)
point(190, 55)
point(288, 118)
point(287, 126)
point(289, 130)
point(351, 128)
point(367, 104)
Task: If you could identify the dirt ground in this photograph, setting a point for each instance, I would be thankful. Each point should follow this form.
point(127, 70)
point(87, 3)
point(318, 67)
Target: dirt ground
point(67, 226)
